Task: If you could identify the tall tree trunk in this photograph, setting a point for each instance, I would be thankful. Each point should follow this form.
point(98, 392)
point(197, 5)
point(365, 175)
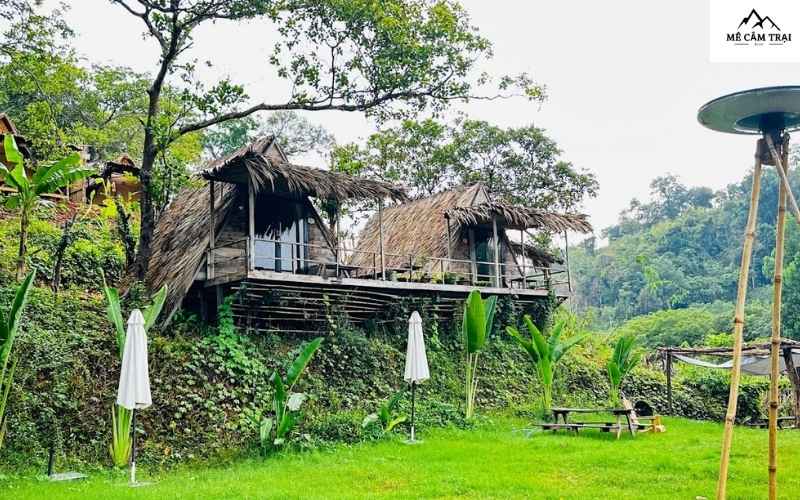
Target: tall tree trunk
point(66, 237)
point(24, 222)
point(124, 231)
point(148, 223)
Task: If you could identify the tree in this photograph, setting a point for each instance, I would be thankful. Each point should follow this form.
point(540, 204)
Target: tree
point(46, 179)
point(519, 165)
point(418, 154)
point(296, 134)
point(391, 58)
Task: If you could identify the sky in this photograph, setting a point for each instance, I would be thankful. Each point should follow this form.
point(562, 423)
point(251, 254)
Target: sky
point(624, 78)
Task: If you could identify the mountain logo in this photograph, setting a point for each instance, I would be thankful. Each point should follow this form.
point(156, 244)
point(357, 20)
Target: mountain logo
point(760, 21)
point(756, 30)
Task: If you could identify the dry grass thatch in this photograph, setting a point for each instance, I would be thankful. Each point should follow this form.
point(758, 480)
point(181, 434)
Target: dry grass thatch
point(417, 227)
point(181, 239)
point(270, 172)
point(517, 217)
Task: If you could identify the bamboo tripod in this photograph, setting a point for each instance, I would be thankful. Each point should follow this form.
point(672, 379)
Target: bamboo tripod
point(766, 153)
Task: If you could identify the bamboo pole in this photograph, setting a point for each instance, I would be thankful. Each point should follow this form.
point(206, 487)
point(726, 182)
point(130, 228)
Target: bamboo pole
point(496, 252)
point(775, 341)
point(380, 239)
point(784, 177)
point(738, 326)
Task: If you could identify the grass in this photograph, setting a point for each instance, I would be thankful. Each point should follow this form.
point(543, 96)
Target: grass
point(491, 461)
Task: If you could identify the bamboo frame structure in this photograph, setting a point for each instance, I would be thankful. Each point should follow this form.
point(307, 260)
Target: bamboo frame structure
point(738, 327)
point(780, 160)
point(775, 340)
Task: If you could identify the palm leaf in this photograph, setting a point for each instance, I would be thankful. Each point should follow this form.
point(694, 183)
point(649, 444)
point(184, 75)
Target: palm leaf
point(526, 344)
point(45, 172)
point(489, 306)
point(12, 319)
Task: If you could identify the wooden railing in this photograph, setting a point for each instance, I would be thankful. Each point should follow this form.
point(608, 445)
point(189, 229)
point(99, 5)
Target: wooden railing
point(310, 259)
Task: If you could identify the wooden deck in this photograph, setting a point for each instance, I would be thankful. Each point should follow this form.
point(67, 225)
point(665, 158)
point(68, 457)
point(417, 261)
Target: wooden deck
point(269, 300)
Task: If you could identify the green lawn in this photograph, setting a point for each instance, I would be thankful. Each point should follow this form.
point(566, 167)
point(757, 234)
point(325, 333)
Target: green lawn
point(491, 461)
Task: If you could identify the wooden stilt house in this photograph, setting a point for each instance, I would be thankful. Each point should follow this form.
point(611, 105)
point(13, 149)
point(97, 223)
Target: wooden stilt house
point(254, 230)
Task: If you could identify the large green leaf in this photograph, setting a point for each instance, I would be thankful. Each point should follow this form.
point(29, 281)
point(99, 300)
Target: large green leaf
point(45, 172)
point(152, 311)
point(301, 362)
point(539, 342)
point(12, 319)
point(474, 322)
point(526, 344)
point(114, 312)
point(489, 306)
point(60, 179)
point(12, 152)
point(279, 397)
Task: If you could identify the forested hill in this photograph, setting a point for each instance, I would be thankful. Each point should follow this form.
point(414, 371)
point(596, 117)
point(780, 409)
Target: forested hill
point(681, 250)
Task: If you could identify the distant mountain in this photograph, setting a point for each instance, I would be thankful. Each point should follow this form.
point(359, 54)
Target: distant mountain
point(760, 23)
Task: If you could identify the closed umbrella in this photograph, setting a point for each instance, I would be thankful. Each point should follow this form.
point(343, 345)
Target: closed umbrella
point(134, 380)
point(416, 361)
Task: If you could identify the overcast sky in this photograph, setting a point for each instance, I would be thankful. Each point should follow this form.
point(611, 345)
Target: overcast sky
point(625, 80)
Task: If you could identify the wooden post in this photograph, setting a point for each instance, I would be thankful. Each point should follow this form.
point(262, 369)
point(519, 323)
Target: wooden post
point(738, 327)
point(212, 233)
point(380, 239)
point(668, 367)
point(496, 252)
point(522, 246)
point(449, 240)
point(473, 257)
point(775, 340)
point(791, 371)
point(566, 259)
point(251, 222)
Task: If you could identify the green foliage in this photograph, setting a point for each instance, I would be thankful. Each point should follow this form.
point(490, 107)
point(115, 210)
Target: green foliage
point(46, 179)
point(477, 324)
point(545, 352)
point(9, 326)
point(386, 414)
point(682, 250)
point(274, 431)
point(623, 360)
point(521, 165)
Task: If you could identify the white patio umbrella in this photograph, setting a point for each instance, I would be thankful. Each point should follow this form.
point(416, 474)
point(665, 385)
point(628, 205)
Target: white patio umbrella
point(416, 361)
point(134, 380)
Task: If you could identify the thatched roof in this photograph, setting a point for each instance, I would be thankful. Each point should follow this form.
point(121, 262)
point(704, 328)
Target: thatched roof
point(181, 239)
point(269, 172)
point(518, 217)
point(417, 227)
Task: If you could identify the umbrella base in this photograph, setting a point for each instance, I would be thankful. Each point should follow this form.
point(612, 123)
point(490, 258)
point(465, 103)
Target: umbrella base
point(67, 476)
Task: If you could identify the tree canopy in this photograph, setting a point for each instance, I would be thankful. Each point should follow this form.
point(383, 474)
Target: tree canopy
point(520, 165)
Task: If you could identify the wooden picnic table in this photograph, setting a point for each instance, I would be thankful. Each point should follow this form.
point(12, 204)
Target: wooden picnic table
point(618, 413)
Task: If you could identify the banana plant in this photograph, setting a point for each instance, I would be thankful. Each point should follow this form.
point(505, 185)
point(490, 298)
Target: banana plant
point(120, 446)
point(623, 360)
point(545, 352)
point(9, 326)
point(285, 403)
point(475, 328)
point(48, 178)
point(385, 414)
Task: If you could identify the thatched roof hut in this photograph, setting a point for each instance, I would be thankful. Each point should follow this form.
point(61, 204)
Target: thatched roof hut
point(435, 227)
point(183, 232)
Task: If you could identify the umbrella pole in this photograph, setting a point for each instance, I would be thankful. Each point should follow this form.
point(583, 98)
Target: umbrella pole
point(133, 448)
point(413, 398)
point(738, 327)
